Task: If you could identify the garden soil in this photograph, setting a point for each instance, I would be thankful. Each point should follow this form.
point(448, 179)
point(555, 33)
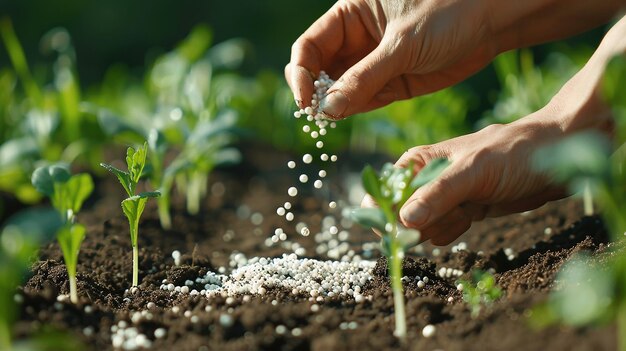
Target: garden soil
point(524, 250)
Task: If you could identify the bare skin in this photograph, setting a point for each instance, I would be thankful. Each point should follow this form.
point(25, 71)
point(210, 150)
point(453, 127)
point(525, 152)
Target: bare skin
point(384, 51)
point(419, 47)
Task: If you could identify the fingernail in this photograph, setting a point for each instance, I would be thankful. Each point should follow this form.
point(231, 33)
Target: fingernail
point(415, 213)
point(334, 104)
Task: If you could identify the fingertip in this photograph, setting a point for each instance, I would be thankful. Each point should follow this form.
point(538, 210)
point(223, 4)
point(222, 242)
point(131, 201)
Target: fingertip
point(300, 81)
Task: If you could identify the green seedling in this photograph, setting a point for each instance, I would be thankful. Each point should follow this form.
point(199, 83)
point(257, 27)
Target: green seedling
point(588, 292)
point(480, 291)
point(391, 189)
point(134, 205)
point(205, 148)
point(67, 193)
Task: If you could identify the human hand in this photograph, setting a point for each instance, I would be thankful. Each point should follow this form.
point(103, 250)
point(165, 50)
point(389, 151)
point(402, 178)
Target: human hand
point(490, 172)
point(383, 51)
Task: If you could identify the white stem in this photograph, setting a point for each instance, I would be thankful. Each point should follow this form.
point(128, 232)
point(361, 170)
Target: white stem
point(135, 266)
point(73, 290)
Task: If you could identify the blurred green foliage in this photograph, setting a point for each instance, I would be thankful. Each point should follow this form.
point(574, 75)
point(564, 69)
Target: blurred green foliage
point(592, 292)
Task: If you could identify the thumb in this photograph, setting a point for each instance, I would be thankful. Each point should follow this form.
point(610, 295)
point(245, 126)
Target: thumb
point(433, 200)
point(361, 83)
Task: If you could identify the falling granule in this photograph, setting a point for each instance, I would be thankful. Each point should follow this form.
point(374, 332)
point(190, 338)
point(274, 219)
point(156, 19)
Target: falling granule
point(322, 131)
point(305, 231)
point(324, 157)
point(297, 114)
point(292, 191)
point(332, 204)
point(319, 144)
point(314, 134)
point(282, 236)
point(306, 128)
point(287, 205)
point(280, 211)
point(333, 125)
point(307, 158)
point(304, 178)
point(333, 158)
point(322, 173)
point(317, 184)
point(289, 216)
point(291, 164)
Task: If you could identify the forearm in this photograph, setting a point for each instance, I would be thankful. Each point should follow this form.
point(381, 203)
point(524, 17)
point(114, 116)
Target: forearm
point(579, 104)
point(516, 24)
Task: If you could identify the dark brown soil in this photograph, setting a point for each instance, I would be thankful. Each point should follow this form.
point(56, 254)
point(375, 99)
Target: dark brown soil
point(260, 184)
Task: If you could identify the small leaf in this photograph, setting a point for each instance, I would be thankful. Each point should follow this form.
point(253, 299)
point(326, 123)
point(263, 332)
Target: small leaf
point(576, 157)
point(371, 183)
point(78, 189)
point(70, 236)
point(370, 218)
point(148, 194)
point(123, 177)
point(44, 178)
point(431, 171)
point(133, 207)
point(408, 237)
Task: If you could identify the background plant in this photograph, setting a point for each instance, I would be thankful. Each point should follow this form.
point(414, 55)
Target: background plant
point(391, 189)
point(480, 291)
point(134, 205)
point(67, 193)
point(187, 109)
point(590, 292)
point(44, 121)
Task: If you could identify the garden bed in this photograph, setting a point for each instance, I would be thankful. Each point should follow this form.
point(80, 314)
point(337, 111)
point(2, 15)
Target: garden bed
point(525, 252)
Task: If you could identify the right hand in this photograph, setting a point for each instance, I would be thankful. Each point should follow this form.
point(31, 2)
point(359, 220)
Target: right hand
point(384, 51)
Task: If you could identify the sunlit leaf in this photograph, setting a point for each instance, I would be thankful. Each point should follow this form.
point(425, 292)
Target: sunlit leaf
point(431, 171)
point(371, 183)
point(370, 218)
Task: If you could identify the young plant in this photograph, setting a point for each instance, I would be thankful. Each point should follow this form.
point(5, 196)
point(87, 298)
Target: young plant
point(205, 148)
point(590, 292)
point(391, 189)
point(67, 193)
point(480, 291)
point(134, 205)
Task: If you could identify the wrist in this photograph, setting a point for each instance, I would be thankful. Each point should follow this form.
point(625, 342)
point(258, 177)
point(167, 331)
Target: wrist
point(517, 24)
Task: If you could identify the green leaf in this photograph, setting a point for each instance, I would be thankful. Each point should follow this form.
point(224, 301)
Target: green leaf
point(371, 183)
point(431, 171)
point(582, 155)
point(148, 194)
point(136, 161)
point(123, 177)
point(77, 190)
point(133, 207)
point(370, 217)
point(44, 178)
point(586, 292)
point(408, 237)
point(70, 236)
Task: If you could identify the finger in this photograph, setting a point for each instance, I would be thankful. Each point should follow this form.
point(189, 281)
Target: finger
point(300, 81)
point(430, 202)
point(528, 203)
point(322, 45)
point(360, 84)
point(447, 228)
